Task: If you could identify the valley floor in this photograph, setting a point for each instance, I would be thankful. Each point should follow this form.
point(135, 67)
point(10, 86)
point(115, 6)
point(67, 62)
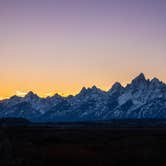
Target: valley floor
point(85, 145)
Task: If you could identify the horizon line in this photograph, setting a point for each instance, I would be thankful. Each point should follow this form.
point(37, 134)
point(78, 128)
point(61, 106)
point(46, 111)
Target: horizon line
point(23, 94)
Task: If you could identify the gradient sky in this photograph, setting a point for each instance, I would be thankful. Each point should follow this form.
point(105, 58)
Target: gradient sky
point(50, 46)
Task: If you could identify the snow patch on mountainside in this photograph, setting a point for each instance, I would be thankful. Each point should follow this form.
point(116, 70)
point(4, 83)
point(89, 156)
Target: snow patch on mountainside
point(142, 98)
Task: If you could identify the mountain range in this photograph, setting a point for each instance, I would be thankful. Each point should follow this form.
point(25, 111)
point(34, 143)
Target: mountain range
point(141, 99)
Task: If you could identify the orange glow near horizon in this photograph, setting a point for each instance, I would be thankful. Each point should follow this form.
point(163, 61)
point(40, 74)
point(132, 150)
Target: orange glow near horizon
point(57, 46)
point(45, 90)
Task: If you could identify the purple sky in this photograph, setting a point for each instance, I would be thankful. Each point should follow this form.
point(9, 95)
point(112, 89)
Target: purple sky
point(53, 46)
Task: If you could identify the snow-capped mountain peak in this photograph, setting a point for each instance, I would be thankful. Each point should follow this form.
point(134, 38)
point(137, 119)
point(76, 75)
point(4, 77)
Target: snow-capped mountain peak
point(117, 87)
point(139, 82)
point(31, 95)
point(142, 98)
point(156, 83)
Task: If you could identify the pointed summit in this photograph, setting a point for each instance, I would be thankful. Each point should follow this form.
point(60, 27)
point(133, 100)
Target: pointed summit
point(155, 83)
point(94, 87)
point(31, 95)
point(83, 89)
point(139, 82)
point(117, 87)
point(155, 80)
point(89, 91)
point(140, 77)
point(15, 97)
point(56, 96)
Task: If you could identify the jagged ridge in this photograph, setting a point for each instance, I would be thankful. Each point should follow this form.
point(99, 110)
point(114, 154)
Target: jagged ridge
point(142, 98)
